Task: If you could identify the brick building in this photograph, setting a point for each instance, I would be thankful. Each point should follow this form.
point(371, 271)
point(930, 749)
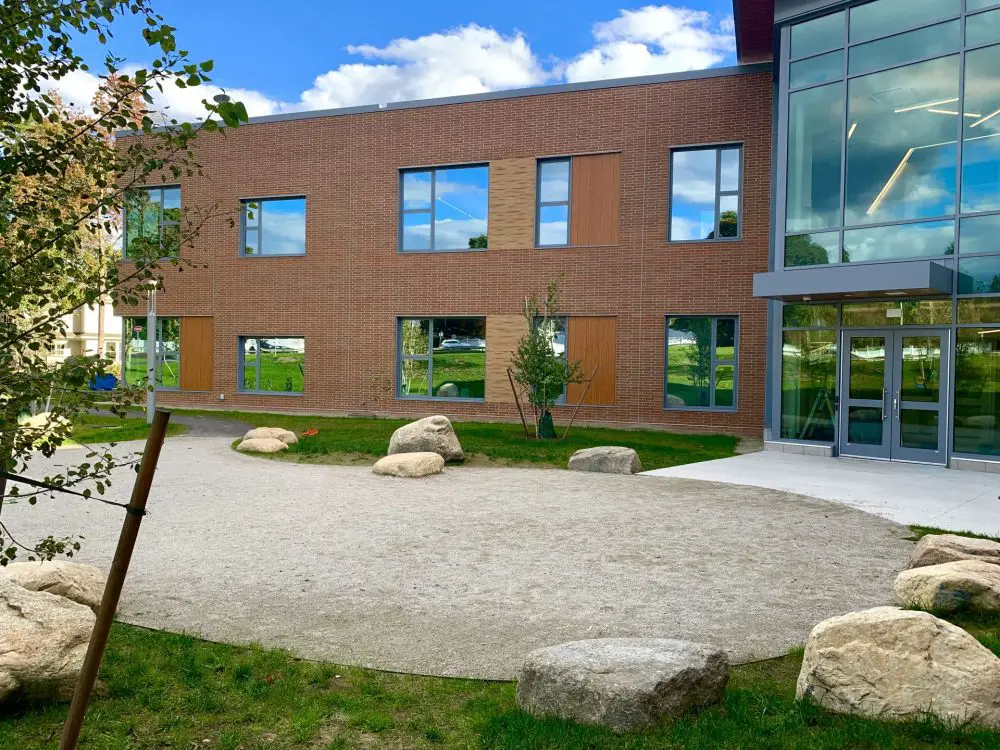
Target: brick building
point(339, 295)
point(803, 247)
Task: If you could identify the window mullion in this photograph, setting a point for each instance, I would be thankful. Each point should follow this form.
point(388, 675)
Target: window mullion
point(712, 363)
point(430, 354)
point(433, 207)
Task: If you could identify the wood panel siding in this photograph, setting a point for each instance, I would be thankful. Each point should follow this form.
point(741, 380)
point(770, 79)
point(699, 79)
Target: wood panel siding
point(197, 349)
point(595, 199)
point(503, 332)
point(592, 342)
point(512, 204)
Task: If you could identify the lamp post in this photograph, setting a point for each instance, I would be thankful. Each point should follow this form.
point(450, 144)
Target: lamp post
point(151, 353)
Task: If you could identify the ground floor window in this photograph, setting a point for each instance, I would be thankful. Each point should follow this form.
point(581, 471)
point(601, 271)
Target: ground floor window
point(167, 353)
point(701, 363)
point(272, 364)
point(977, 391)
point(442, 357)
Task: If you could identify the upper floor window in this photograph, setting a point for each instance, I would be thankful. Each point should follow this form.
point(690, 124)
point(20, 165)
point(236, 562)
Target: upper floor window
point(705, 187)
point(273, 226)
point(152, 222)
point(578, 201)
point(443, 209)
point(701, 363)
point(553, 202)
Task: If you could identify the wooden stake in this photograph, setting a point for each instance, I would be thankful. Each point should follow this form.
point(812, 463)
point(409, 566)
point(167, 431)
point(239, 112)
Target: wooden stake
point(517, 401)
point(116, 579)
point(582, 397)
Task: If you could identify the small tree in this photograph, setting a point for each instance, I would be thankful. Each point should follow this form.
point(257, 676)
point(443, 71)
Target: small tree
point(537, 365)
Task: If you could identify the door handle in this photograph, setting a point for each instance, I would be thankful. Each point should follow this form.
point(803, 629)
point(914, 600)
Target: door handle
point(895, 404)
point(885, 411)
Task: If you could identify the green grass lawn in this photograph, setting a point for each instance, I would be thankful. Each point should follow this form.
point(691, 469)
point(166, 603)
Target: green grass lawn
point(347, 439)
point(107, 428)
point(162, 690)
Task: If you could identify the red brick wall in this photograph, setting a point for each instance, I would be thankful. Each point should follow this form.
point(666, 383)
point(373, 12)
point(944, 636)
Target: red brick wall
point(345, 294)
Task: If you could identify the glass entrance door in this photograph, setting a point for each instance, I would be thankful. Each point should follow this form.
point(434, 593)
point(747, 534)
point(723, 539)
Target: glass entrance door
point(894, 393)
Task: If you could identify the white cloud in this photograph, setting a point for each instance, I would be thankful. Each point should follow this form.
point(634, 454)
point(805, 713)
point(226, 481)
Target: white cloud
point(654, 39)
point(473, 59)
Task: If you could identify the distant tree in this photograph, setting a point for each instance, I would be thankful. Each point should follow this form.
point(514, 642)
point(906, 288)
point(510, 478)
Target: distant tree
point(800, 250)
point(63, 183)
point(477, 243)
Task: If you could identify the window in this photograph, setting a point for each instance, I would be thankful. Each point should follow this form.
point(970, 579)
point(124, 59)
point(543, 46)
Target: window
point(977, 390)
point(701, 363)
point(443, 209)
point(705, 194)
point(555, 330)
point(809, 372)
point(442, 358)
point(167, 356)
point(272, 365)
point(578, 201)
point(553, 203)
point(273, 226)
point(152, 222)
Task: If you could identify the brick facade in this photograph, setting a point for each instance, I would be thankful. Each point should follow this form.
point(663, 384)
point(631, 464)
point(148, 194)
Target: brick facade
point(345, 294)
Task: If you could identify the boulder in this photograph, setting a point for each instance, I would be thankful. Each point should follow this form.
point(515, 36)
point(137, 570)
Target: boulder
point(607, 459)
point(83, 584)
point(262, 445)
point(43, 639)
point(622, 683)
point(935, 549)
point(409, 464)
point(430, 434)
point(950, 586)
point(278, 433)
point(890, 663)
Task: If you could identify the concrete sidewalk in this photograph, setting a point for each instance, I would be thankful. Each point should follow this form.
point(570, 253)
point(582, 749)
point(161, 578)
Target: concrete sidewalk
point(905, 493)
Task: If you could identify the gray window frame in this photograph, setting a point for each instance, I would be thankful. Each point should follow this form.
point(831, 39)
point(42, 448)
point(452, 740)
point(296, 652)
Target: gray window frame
point(540, 204)
point(719, 192)
point(158, 353)
point(431, 211)
point(241, 365)
point(244, 202)
point(160, 223)
point(715, 362)
point(428, 358)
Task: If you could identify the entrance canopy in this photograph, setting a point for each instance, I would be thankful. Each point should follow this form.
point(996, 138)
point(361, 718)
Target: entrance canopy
point(914, 278)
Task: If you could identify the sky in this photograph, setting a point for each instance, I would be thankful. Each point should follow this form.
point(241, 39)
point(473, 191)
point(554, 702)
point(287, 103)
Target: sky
point(308, 54)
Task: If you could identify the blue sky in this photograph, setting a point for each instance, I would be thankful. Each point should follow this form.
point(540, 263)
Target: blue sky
point(314, 54)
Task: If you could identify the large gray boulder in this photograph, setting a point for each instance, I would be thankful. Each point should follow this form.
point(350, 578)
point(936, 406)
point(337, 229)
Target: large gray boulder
point(83, 584)
point(43, 639)
point(890, 663)
point(935, 549)
point(430, 434)
point(409, 465)
point(606, 459)
point(622, 683)
point(950, 586)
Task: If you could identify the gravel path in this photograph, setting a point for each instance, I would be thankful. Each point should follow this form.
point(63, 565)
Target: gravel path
point(463, 573)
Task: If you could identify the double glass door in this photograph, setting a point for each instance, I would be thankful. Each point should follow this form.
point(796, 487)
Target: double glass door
point(894, 394)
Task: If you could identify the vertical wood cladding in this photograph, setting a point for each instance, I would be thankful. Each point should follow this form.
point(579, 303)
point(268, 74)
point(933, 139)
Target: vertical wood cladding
point(595, 199)
point(592, 341)
point(197, 352)
point(345, 294)
point(512, 204)
point(503, 332)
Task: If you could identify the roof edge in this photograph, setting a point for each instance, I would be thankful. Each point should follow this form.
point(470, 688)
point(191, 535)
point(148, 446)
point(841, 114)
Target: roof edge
point(560, 88)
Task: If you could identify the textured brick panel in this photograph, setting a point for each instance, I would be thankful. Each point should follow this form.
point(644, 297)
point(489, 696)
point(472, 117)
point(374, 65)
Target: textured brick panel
point(593, 342)
point(512, 204)
point(503, 332)
point(596, 200)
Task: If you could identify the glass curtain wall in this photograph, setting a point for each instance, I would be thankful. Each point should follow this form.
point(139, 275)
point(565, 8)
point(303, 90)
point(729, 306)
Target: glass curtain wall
point(891, 114)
